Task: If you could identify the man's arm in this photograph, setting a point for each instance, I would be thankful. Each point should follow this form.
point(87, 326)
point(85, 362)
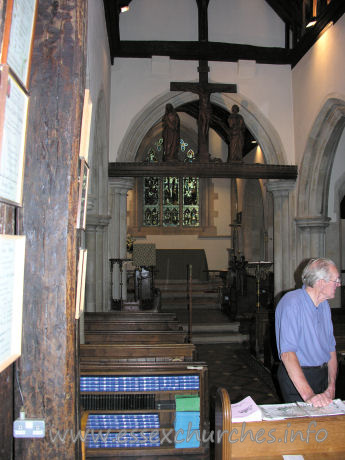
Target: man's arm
point(295, 373)
point(332, 375)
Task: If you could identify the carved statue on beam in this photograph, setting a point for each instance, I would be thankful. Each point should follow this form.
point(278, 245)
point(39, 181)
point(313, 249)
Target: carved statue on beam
point(171, 134)
point(236, 133)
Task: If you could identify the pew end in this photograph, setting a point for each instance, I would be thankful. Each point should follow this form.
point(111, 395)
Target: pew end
point(315, 438)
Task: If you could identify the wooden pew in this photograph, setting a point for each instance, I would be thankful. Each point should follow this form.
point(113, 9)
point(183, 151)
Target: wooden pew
point(166, 450)
point(103, 354)
point(326, 438)
point(142, 315)
point(131, 325)
point(153, 337)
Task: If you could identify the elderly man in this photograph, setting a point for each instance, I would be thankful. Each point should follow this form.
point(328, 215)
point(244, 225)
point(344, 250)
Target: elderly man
point(305, 340)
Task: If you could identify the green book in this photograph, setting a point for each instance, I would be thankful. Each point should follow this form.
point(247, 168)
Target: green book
point(187, 403)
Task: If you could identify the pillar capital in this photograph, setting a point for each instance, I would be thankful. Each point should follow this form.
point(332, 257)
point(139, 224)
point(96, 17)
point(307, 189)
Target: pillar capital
point(280, 187)
point(312, 222)
point(311, 234)
point(120, 184)
point(97, 220)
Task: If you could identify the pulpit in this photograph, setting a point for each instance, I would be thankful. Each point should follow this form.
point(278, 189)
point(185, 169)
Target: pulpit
point(144, 259)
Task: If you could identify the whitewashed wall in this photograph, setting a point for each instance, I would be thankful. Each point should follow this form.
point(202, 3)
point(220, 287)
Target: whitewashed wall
point(317, 77)
point(137, 82)
point(98, 59)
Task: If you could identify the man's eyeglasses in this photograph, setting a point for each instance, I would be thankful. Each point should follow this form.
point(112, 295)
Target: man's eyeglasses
point(337, 281)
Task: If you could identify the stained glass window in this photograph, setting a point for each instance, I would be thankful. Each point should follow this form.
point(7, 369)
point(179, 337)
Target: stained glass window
point(190, 201)
point(171, 201)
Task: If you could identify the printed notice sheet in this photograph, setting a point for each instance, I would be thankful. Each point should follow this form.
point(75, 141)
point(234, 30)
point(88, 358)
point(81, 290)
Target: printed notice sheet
point(18, 58)
point(13, 143)
point(12, 254)
point(245, 411)
point(300, 409)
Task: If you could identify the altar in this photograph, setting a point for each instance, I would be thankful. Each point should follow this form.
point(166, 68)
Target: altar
point(171, 264)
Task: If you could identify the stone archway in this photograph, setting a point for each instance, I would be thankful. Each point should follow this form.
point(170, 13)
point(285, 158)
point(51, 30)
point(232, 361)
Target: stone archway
point(152, 113)
point(314, 179)
point(272, 149)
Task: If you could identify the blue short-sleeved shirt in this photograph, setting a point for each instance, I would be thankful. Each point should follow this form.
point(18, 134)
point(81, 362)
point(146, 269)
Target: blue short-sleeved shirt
point(304, 328)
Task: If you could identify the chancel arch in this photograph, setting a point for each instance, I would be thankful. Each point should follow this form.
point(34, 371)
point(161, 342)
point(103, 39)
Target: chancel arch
point(260, 127)
point(272, 151)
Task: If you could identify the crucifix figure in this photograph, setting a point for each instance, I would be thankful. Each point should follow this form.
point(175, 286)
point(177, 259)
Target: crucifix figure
point(203, 88)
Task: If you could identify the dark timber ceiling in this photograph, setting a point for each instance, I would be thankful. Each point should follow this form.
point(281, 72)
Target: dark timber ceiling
point(294, 13)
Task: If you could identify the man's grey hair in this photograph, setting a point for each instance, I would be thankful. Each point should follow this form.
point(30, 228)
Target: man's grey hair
point(316, 269)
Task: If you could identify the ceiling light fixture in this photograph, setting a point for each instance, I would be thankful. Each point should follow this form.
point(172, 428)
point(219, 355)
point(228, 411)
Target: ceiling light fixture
point(124, 9)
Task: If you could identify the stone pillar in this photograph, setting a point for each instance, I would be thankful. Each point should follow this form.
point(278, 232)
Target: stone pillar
point(118, 188)
point(97, 274)
point(283, 273)
point(311, 236)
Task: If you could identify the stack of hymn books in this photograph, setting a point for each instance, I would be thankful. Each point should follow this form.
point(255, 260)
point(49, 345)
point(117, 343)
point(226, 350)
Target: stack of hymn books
point(245, 411)
point(121, 421)
point(139, 383)
point(100, 435)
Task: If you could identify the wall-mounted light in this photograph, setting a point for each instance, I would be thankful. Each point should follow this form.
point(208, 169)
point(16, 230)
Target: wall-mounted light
point(311, 22)
point(124, 9)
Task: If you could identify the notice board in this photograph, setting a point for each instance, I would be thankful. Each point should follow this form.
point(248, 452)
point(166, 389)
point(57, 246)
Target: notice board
point(12, 255)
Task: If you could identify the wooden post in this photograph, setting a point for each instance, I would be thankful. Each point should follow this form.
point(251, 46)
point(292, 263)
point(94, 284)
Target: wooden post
point(48, 371)
point(190, 308)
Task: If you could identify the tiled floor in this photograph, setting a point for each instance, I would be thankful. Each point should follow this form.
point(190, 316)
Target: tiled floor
point(231, 366)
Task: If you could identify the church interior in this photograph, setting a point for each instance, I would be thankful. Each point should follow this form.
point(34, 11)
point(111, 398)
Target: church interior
point(178, 163)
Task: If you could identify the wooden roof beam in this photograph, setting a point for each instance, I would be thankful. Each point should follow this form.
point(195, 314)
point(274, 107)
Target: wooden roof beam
point(208, 51)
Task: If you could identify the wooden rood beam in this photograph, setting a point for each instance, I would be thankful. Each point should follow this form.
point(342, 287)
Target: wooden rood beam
point(231, 170)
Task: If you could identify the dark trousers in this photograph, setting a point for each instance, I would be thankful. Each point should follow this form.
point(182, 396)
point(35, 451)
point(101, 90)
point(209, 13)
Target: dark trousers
point(317, 377)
